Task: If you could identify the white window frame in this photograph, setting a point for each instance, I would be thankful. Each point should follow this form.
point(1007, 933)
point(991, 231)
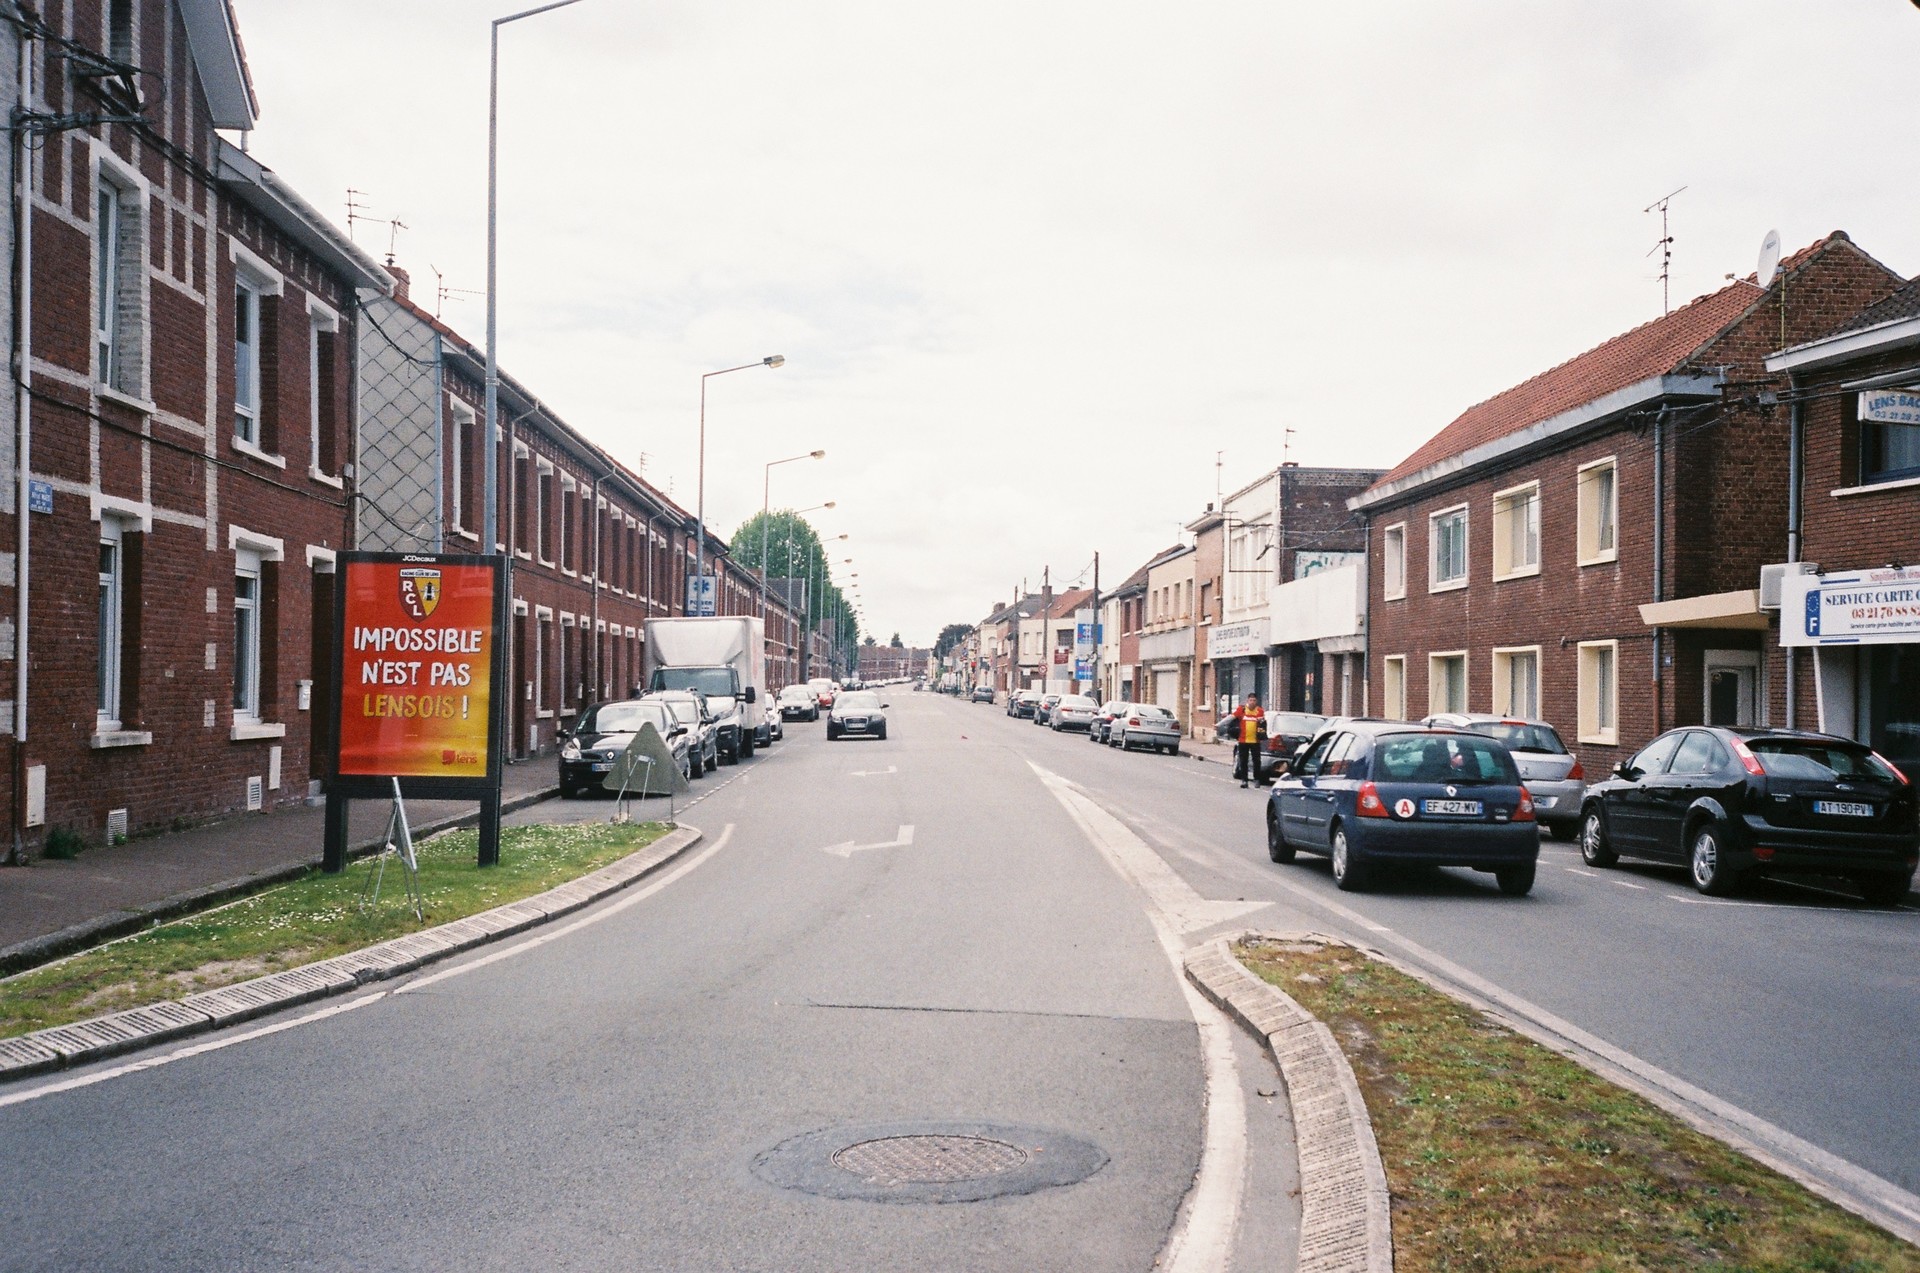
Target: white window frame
point(1503, 661)
point(1599, 696)
point(248, 566)
point(544, 475)
point(120, 319)
point(1507, 506)
point(1588, 549)
point(464, 417)
point(1393, 553)
point(1434, 582)
point(542, 638)
point(321, 319)
point(1434, 705)
point(106, 283)
point(253, 281)
point(1394, 687)
point(111, 633)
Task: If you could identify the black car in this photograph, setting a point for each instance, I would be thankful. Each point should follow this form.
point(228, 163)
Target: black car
point(1730, 804)
point(1021, 703)
point(1285, 733)
point(588, 753)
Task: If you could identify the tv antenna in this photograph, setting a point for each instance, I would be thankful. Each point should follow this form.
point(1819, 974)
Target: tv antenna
point(441, 292)
point(357, 212)
point(1665, 248)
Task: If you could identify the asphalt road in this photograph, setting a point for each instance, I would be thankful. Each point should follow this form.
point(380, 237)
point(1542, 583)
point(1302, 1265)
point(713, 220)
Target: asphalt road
point(1792, 1003)
point(598, 1096)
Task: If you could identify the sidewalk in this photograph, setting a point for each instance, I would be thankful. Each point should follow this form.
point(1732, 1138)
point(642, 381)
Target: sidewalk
point(52, 907)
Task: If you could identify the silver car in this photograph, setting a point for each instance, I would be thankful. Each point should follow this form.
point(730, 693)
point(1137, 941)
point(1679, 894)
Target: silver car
point(1551, 772)
point(1145, 725)
point(1073, 711)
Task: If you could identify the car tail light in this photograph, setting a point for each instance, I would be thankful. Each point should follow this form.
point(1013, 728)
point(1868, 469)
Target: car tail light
point(1577, 774)
point(1525, 812)
point(1889, 764)
point(1748, 759)
point(1133, 720)
point(1371, 805)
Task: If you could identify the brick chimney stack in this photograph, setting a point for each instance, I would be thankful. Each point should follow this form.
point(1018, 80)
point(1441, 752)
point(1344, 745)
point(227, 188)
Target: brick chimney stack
point(402, 282)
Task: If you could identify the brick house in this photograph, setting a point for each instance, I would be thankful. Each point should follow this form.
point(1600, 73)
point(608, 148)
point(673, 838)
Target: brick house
point(1209, 558)
point(1586, 546)
point(1166, 635)
point(1122, 614)
point(1853, 531)
point(182, 437)
point(1314, 613)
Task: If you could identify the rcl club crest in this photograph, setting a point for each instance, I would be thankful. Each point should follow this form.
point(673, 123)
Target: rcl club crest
point(420, 590)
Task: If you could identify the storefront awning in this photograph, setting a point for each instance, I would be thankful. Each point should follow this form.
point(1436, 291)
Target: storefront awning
point(1739, 609)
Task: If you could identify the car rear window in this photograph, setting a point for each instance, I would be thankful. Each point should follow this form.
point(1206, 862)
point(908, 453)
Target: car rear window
point(1077, 700)
point(1294, 723)
point(621, 718)
point(1442, 758)
point(1149, 711)
point(1819, 761)
point(1516, 737)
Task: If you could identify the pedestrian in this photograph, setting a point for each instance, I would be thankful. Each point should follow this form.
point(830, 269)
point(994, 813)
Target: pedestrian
point(1249, 728)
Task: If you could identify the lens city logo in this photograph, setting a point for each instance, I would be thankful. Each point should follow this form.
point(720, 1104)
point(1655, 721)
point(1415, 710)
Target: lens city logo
point(420, 590)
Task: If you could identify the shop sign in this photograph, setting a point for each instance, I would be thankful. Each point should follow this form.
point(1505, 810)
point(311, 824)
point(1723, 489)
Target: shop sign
point(1238, 640)
point(1318, 563)
point(418, 667)
point(1855, 607)
point(1890, 406)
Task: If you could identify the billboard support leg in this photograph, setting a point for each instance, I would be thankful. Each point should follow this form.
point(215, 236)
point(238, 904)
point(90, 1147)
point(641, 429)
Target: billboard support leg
point(333, 849)
point(490, 828)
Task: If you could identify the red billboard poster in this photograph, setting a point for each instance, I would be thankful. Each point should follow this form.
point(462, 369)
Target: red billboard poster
point(418, 644)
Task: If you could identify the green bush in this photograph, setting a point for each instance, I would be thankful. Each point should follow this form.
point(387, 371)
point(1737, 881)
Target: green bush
point(63, 844)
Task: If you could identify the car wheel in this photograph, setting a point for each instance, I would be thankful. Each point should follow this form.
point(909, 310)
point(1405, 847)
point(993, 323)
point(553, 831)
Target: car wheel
point(1884, 890)
point(713, 760)
point(1277, 847)
point(1515, 881)
point(1594, 849)
point(1348, 874)
point(1707, 861)
point(1173, 750)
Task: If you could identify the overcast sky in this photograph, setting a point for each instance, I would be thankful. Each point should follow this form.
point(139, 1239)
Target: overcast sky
point(1033, 264)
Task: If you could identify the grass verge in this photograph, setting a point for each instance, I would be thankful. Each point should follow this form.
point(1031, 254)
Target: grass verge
point(1502, 1154)
point(314, 917)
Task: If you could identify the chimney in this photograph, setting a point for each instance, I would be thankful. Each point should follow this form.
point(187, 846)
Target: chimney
point(401, 282)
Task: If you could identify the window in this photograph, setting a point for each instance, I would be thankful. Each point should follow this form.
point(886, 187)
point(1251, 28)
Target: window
point(1393, 550)
point(1394, 690)
point(112, 609)
point(246, 362)
point(107, 284)
point(1701, 753)
point(1447, 682)
point(119, 300)
point(323, 392)
point(1447, 549)
point(120, 30)
point(542, 642)
point(522, 503)
point(543, 515)
point(1654, 756)
point(569, 526)
point(1516, 532)
point(459, 463)
point(1888, 451)
point(246, 635)
point(1599, 511)
point(1516, 682)
point(1599, 691)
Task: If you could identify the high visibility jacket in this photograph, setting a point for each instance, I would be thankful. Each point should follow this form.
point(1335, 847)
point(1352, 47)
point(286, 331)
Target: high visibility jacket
point(1250, 719)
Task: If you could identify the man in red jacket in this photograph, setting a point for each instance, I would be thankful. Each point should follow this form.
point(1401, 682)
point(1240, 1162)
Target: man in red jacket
point(1249, 728)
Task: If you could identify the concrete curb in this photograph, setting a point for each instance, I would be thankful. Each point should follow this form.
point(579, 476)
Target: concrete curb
point(1345, 1210)
point(42, 950)
point(91, 1040)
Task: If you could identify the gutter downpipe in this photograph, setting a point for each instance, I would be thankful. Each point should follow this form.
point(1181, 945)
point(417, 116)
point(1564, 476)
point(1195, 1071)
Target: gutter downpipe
point(1659, 558)
point(593, 633)
point(1796, 437)
point(23, 441)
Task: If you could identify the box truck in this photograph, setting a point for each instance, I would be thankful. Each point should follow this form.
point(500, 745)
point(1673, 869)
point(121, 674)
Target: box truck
point(725, 658)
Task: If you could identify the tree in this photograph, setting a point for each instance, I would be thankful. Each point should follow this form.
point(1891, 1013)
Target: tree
point(951, 635)
point(870, 643)
point(897, 643)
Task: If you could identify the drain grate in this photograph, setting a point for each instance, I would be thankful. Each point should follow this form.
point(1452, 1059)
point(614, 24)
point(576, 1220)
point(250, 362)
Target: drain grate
point(928, 1160)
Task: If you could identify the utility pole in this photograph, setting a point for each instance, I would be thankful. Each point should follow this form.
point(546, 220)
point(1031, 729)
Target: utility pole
point(1094, 668)
point(1046, 626)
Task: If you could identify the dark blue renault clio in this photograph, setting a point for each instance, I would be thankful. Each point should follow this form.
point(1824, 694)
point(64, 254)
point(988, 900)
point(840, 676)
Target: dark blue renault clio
point(1369, 795)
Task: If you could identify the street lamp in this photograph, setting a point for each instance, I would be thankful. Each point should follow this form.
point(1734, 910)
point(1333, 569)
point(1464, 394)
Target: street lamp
point(700, 507)
point(490, 514)
point(766, 511)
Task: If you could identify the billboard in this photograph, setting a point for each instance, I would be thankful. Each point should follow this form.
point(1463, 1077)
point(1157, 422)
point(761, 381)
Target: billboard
point(420, 671)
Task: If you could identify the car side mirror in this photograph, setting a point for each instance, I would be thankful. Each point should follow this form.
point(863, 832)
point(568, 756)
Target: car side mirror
point(676, 731)
point(885, 706)
point(1625, 769)
point(750, 694)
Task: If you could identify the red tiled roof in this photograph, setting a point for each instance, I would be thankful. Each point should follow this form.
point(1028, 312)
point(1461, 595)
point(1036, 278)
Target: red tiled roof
point(1653, 349)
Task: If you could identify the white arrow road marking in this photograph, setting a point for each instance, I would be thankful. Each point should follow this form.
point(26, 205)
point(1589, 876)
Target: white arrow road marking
point(873, 773)
point(848, 849)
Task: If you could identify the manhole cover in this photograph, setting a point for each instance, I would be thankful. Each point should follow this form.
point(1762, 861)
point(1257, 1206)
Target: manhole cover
point(928, 1160)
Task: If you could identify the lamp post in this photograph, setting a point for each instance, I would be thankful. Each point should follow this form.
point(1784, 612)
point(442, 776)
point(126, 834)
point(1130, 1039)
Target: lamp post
point(766, 512)
point(489, 464)
point(700, 506)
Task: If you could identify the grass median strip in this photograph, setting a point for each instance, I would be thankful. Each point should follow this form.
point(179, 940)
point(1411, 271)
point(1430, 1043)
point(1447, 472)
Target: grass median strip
point(1502, 1154)
point(314, 917)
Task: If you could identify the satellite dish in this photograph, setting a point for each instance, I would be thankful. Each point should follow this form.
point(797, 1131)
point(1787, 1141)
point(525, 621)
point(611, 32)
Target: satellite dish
point(1770, 254)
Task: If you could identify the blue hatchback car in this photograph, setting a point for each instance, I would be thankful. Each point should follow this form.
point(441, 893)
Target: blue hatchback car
point(1373, 794)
